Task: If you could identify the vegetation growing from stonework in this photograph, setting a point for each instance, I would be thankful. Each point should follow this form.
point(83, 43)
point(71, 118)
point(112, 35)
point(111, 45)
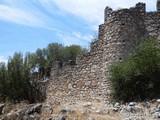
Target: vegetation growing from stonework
point(138, 77)
point(19, 76)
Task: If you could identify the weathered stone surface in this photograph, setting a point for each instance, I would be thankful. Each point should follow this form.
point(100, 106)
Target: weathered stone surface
point(86, 111)
point(131, 109)
point(22, 112)
point(88, 104)
point(88, 78)
point(34, 108)
point(60, 117)
point(132, 103)
point(47, 110)
point(90, 118)
point(49, 118)
point(145, 104)
point(115, 109)
point(158, 100)
point(105, 111)
point(156, 115)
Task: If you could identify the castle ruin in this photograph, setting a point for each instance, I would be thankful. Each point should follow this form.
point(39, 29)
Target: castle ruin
point(88, 79)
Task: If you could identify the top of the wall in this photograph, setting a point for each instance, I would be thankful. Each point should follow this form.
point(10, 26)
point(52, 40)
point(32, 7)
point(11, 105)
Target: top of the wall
point(139, 8)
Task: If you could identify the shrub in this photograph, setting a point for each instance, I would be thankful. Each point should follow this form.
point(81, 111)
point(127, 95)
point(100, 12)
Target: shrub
point(138, 77)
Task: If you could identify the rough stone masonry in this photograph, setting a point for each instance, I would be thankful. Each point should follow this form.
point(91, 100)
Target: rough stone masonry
point(88, 79)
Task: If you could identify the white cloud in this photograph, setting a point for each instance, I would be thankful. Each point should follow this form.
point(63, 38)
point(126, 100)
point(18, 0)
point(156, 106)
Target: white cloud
point(22, 12)
point(75, 38)
point(18, 16)
point(26, 13)
point(48, 5)
point(3, 59)
point(92, 10)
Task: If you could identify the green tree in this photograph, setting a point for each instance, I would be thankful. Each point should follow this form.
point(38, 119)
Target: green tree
point(31, 59)
point(41, 62)
point(55, 52)
point(15, 66)
point(18, 79)
point(3, 81)
point(137, 78)
point(15, 80)
point(71, 52)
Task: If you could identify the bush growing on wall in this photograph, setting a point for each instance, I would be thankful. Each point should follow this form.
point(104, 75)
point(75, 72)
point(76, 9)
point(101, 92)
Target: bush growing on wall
point(138, 77)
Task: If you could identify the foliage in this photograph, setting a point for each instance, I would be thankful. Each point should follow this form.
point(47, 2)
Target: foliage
point(137, 78)
point(71, 52)
point(15, 80)
point(18, 78)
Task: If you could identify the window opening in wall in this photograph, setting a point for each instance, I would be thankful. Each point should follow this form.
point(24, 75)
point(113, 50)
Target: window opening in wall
point(60, 64)
point(72, 62)
point(123, 24)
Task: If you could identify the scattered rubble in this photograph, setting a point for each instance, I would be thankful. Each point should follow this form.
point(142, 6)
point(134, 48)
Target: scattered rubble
point(82, 110)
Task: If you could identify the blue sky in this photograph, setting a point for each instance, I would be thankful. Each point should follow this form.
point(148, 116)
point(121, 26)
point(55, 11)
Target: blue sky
point(26, 25)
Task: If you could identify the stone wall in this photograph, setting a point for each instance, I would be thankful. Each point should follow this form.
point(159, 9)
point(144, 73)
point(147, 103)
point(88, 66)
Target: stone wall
point(88, 79)
point(151, 22)
point(84, 81)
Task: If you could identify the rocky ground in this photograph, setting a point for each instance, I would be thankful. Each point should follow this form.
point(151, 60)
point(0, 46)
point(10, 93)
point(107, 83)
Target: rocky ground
point(81, 111)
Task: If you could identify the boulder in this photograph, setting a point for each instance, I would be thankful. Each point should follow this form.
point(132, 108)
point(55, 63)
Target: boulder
point(132, 109)
point(47, 109)
point(90, 118)
point(105, 111)
point(152, 110)
point(132, 103)
point(60, 117)
point(117, 105)
point(145, 104)
point(34, 108)
point(158, 100)
point(156, 115)
point(49, 118)
point(88, 104)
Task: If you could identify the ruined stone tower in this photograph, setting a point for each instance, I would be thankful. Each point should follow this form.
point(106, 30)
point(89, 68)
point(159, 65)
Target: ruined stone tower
point(121, 32)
